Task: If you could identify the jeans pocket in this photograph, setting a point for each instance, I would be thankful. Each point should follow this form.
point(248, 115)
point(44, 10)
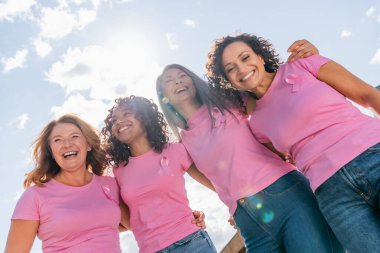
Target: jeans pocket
point(285, 183)
point(356, 180)
point(188, 238)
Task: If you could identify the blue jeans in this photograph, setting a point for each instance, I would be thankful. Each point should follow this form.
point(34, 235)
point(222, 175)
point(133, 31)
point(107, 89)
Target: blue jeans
point(349, 201)
point(284, 217)
point(197, 242)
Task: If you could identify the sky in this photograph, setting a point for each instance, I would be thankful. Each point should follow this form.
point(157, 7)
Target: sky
point(77, 56)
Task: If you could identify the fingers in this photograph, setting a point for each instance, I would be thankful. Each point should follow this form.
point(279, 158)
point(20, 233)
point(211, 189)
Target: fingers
point(301, 49)
point(232, 222)
point(199, 219)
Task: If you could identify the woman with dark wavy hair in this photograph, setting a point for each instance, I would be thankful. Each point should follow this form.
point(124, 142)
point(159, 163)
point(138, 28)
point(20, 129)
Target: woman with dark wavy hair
point(302, 108)
point(150, 173)
point(70, 206)
point(271, 202)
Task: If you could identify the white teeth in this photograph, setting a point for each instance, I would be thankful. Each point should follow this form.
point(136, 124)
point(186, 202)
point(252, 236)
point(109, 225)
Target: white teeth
point(70, 153)
point(248, 76)
point(123, 128)
point(180, 90)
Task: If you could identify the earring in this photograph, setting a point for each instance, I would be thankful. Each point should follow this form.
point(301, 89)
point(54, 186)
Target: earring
point(165, 100)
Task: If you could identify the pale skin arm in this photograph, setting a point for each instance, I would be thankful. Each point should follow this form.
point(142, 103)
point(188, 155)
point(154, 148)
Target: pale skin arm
point(350, 85)
point(301, 49)
point(21, 236)
point(199, 177)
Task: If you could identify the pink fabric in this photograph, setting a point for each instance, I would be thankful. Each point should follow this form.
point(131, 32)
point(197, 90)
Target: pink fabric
point(153, 187)
point(309, 119)
point(229, 155)
point(74, 219)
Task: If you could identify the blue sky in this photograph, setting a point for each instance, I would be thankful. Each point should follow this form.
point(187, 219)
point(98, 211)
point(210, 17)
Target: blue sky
point(77, 56)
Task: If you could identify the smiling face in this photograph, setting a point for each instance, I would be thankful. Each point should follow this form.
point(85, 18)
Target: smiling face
point(126, 127)
point(69, 147)
point(245, 69)
point(177, 86)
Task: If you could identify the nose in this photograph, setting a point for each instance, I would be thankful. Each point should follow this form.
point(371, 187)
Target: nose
point(119, 121)
point(66, 142)
point(240, 68)
point(178, 80)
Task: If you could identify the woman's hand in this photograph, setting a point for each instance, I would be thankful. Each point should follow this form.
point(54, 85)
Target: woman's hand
point(199, 219)
point(301, 49)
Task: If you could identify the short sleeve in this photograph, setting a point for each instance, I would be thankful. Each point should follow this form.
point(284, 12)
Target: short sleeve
point(27, 207)
point(182, 156)
point(312, 63)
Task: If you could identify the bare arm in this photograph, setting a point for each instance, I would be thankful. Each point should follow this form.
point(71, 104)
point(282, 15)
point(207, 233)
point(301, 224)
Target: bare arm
point(199, 177)
point(21, 236)
point(251, 105)
point(284, 156)
point(301, 49)
point(125, 218)
point(350, 85)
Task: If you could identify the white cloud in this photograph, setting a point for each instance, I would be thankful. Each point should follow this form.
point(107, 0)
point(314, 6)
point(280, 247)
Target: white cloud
point(56, 23)
point(13, 8)
point(15, 62)
point(119, 69)
point(370, 11)
point(20, 121)
point(171, 38)
point(190, 23)
point(345, 34)
point(378, 18)
point(216, 212)
point(59, 21)
point(376, 58)
point(85, 17)
point(42, 48)
point(128, 242)
point(93, 111)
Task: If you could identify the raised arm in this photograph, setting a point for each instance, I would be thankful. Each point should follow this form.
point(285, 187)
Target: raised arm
point(350, 85)
point(199, 177)
point(21, 236)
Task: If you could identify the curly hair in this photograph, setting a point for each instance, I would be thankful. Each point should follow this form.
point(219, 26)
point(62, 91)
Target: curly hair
point(146, 111)
point(215, 72)
point(46, 167)
point(204, 96)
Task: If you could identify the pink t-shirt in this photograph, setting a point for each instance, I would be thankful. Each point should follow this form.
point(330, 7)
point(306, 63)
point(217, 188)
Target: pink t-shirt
point(153, 187)
point(230, 156)
point(312, 121)
point(74, 219)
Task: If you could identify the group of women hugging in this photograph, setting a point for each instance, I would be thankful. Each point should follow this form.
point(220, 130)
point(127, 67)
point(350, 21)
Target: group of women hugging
point(295, 162)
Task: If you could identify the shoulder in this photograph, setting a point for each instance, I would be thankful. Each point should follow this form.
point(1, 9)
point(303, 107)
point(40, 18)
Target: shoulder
point(310, 63)
point(104, 180)
point(174, 148)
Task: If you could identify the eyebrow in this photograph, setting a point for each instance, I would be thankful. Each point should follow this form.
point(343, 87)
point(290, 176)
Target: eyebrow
point(239, 55)
point(58, 135)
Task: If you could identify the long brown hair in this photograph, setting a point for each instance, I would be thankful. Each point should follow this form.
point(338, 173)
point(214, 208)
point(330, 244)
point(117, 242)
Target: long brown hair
point(46, 167)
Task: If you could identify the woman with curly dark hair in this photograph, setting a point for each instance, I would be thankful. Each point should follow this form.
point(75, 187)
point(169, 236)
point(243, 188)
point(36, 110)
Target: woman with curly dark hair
point(302, 108)
point(150, 172)
point(271, 202)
